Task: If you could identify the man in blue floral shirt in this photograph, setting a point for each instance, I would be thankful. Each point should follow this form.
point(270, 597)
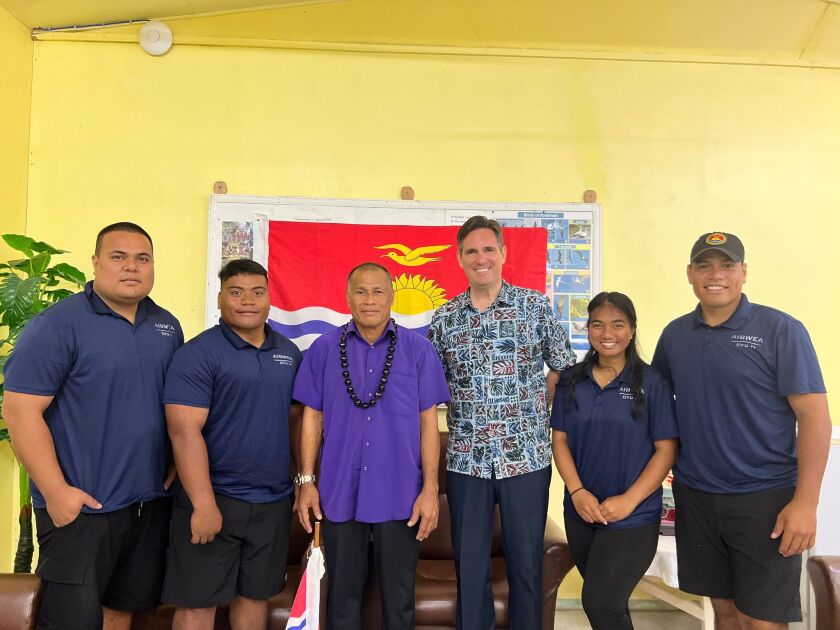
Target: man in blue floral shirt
point(494, 340)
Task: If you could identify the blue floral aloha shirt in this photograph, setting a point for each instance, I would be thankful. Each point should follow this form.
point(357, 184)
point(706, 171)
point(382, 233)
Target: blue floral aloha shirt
point(498, 415)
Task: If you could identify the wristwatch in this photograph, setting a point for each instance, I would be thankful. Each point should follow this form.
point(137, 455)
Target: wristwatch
point(302, 479)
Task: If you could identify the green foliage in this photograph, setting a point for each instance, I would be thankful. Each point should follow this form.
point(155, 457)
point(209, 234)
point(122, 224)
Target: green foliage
point(28, 286)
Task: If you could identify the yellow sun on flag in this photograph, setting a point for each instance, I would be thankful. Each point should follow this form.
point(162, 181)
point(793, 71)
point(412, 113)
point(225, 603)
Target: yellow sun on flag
point(415, 294)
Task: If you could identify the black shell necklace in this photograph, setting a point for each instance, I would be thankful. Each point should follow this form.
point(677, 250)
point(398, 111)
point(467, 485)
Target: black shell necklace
point(383, 380)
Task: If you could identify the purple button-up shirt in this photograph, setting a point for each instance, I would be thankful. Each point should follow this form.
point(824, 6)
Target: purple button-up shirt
point(370, 462)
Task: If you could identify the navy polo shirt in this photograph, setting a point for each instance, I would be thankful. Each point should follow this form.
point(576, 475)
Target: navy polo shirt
point(609, 446)
point(106, 376)
point(247, 391)
point(737, 429)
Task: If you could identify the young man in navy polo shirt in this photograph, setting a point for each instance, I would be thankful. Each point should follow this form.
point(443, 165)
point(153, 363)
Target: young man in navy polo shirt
point(746, 485)
point(83, 404)
point(229, 405)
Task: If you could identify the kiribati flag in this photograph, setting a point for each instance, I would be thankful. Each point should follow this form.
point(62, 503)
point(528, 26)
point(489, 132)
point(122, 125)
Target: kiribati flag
point(306, 609)
point(308, 265)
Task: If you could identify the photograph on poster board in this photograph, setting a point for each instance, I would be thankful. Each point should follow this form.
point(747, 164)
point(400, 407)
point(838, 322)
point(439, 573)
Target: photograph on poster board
point(237, 240)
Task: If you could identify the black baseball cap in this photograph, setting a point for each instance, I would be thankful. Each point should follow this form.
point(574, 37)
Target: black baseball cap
point(729, 244)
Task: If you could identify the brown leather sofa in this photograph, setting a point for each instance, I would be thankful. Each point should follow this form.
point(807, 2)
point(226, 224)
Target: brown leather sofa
point(435, 587)
point(824, 572)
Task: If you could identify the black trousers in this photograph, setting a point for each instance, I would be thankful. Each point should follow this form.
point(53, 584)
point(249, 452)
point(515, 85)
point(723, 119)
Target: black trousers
point(395, 553)
point(523, 506)
point(611, 561)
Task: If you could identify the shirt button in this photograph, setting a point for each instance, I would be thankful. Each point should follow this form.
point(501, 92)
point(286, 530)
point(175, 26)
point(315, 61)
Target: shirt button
point(368, 417)
point(367, 443)
point(370, 369)
point(365, 468)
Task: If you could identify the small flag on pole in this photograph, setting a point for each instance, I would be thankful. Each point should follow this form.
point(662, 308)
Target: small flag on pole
point(306, 608)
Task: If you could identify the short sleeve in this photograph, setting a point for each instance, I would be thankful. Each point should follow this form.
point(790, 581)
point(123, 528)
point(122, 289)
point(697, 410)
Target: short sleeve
point(433, 387)
point(309, 382)
point(660, 361)
point(558, 405)
point(435, 335)
point(662, 417)
point(190, 378)
point(180, 333)
point(557, 353)
point(797, 368)
point(42, 358)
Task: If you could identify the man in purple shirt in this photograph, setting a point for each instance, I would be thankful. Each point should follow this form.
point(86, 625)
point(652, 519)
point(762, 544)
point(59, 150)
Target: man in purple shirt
point(372, 389)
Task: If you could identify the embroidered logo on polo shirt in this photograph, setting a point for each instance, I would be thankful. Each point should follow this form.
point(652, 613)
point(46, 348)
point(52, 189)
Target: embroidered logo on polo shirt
point(747, 341)
point(166, 330)
point(626, 392)
point(716, 238)
point(283, 359)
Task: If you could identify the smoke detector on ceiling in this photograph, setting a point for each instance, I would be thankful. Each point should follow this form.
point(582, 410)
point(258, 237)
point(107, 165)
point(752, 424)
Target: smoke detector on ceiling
point(155, 38)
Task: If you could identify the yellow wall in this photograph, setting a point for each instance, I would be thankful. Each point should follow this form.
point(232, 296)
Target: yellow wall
point(673, 149)
point(15, 90)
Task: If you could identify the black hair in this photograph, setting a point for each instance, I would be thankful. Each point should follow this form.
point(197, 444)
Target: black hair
point(631, 353)
point(479, 222)
point(122, 226)
point(369, 266)
point(242, 267)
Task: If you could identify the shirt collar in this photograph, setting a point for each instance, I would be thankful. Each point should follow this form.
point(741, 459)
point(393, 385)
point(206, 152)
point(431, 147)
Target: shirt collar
point(352, 328)
point(99, 306)
point(623, 377)
point(271, 338)
point(737, 320)
point(506, 297)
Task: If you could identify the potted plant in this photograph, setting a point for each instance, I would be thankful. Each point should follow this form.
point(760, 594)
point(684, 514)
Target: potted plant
point(28, 286)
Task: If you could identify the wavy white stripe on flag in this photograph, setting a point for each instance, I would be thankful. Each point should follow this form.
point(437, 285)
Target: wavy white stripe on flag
point(305, 325)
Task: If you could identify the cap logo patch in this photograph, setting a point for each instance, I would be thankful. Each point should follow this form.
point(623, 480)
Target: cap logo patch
point(715, 238)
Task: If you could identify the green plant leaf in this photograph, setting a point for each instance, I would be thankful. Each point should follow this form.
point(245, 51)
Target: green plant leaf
point(34, 266)
point(18, 299)
point(20, 243)
point(69, 273)
point(58, 294)
point(4, 434)
point(41, 246)
point(39, 264)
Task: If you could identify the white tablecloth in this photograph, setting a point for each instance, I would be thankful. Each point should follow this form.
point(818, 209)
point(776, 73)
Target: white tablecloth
point(664, 563)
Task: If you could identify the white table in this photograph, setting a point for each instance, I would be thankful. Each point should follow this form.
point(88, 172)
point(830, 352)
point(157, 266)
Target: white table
point(663, 570)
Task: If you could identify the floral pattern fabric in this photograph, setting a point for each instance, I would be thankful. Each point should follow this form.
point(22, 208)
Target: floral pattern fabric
point(498, 415)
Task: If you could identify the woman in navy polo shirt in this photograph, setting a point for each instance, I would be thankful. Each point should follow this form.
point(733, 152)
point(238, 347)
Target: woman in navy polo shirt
point(614, 440)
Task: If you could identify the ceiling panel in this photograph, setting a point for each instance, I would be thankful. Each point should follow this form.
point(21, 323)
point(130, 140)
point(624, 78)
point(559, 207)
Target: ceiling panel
point(404, 22)
point(721, 26)
point(775, 31)
point(825, 44)
point(51, 13)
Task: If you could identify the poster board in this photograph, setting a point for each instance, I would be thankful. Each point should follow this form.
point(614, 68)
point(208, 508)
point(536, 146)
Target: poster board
point(238, 227)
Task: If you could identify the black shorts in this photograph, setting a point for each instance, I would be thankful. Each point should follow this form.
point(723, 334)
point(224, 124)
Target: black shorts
point(114, 559)
point(248, 557)
point(724, 550)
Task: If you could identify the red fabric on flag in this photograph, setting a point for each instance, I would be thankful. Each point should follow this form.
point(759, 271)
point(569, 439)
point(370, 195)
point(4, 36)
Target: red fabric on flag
point(308, 263)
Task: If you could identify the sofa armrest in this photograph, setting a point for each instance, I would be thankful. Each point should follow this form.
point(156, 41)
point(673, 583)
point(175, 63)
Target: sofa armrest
point(19, 598)
point(824, 572)
point(557, 562)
